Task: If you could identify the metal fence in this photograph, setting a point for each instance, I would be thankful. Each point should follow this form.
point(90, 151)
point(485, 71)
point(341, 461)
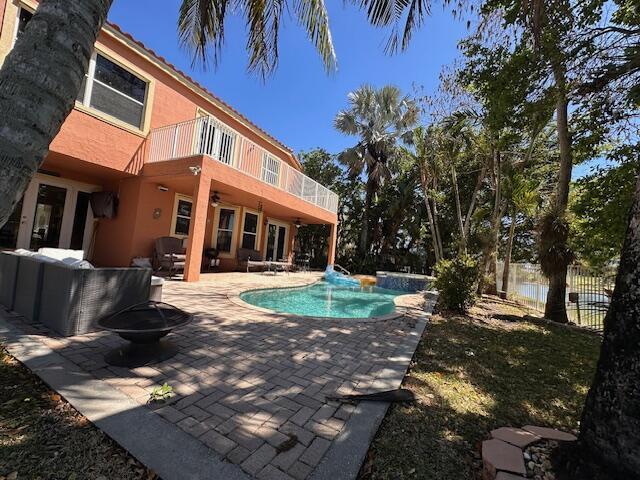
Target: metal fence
point(588, 292)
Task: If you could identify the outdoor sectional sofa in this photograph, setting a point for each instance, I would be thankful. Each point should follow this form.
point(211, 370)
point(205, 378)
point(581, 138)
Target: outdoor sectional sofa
point(8, 276)
point(67, 299)
point(73, 299)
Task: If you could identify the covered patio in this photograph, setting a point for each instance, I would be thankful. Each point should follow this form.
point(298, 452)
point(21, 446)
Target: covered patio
point(211, 187)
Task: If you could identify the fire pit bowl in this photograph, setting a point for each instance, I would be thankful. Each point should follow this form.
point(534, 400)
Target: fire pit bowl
point(144, 325)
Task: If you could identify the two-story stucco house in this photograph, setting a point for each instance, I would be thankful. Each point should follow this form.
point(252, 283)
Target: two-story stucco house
point(179, 160)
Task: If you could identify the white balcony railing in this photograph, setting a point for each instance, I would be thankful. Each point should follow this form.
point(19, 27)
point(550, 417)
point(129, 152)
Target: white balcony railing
point(208, 136)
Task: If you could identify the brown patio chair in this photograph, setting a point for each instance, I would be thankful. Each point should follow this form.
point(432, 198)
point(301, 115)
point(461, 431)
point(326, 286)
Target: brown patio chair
point(170, 254)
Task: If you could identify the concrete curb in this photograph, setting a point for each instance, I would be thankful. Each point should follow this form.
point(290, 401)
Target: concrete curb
point(348, 450)
point(158, 444)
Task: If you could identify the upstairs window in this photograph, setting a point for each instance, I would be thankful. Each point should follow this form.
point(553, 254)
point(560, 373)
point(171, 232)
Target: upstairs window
point(108, 87)
point(114, 90)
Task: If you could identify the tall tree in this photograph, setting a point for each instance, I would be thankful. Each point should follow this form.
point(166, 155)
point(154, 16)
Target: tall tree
point(41, 76)
point(425, 158)
point(39, 82)
point(381, 119)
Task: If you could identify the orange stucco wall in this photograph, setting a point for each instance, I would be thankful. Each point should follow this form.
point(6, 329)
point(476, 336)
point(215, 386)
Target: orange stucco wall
point(97, 149)
point(169, 101)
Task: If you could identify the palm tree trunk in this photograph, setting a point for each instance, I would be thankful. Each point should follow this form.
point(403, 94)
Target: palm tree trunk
point(425, 190)
point(555, 307)
point(39, 82)
point(456, 193)
point(487, 282)
point(474, 197)
point(507, 254)
point(364, 232)
point(610, 422)
point(435, 219)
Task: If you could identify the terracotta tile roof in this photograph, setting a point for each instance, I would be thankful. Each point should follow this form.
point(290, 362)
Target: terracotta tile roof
point(201, 87)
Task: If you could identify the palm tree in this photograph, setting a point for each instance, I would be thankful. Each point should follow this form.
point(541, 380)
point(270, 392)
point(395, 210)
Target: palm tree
point(41, 76)
point(382, 119)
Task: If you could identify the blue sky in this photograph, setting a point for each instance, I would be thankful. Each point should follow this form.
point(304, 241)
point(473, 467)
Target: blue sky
point(298, 103)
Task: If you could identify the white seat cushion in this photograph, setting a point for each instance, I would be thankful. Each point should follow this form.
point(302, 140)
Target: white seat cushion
point(61, 253)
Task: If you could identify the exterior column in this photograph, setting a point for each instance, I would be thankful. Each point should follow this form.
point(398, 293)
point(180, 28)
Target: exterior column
point(197, 228)
point(331, 254)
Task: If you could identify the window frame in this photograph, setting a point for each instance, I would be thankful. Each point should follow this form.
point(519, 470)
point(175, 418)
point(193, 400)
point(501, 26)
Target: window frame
point(256, 242)
point(85, 104)
point(90, 77)
point(234, 232)
point(21, 6)
point(174, 219)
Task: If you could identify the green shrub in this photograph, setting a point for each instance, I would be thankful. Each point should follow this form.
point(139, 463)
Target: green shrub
point(456, 282)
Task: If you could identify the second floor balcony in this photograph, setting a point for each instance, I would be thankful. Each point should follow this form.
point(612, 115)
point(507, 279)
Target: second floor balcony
point(208, 136)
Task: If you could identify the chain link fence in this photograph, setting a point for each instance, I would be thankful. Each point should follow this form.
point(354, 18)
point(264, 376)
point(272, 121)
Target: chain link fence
point(588, 292)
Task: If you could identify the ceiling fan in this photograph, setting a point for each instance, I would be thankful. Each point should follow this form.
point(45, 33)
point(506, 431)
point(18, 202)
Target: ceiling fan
point(298, 223)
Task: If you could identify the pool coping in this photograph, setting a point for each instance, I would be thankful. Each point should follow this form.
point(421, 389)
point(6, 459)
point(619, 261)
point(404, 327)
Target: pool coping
point(401, 310)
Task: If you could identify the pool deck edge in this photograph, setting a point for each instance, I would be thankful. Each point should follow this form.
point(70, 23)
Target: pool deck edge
point(347, 452)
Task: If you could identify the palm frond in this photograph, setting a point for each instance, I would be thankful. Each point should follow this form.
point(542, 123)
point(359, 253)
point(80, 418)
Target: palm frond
point(313, 17)
point(403, 16)
point(354, 159)
point(346, 122)
point(201, 28)
point(263, 25)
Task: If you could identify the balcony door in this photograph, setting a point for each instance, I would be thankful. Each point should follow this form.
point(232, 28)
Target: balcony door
point(52, 213)
point(276, 241)
point(214, 139)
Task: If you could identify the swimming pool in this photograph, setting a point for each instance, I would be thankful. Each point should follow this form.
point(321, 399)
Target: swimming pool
point(325, 300)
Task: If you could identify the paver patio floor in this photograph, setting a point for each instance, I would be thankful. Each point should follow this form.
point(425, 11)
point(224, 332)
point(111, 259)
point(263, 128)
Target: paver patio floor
point(252, 385)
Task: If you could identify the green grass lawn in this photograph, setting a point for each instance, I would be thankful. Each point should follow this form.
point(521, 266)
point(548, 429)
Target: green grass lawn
point(475, 373)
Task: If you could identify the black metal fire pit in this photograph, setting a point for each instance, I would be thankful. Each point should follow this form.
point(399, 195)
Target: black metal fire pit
point(144, 325)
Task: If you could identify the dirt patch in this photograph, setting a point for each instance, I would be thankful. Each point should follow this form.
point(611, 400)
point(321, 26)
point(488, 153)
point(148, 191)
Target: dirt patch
point(43, 437)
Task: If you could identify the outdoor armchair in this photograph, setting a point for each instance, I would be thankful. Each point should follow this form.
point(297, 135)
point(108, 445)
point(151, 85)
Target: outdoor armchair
point(170, 254)
point(250, 258)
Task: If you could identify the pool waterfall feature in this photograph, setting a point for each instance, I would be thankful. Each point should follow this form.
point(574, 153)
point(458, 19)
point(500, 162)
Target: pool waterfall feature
point(339, 278)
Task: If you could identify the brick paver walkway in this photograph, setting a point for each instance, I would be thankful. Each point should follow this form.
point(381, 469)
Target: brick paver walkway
point(252, 385)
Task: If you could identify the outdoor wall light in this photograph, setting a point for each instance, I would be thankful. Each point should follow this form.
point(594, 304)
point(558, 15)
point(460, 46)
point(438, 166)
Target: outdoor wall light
point(156, 213)
point(162, 188)
point(215, 199)
point(195, 170)
point(297, 223)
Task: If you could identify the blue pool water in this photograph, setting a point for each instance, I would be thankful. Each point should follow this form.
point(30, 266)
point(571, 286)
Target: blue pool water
point(325, 300)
